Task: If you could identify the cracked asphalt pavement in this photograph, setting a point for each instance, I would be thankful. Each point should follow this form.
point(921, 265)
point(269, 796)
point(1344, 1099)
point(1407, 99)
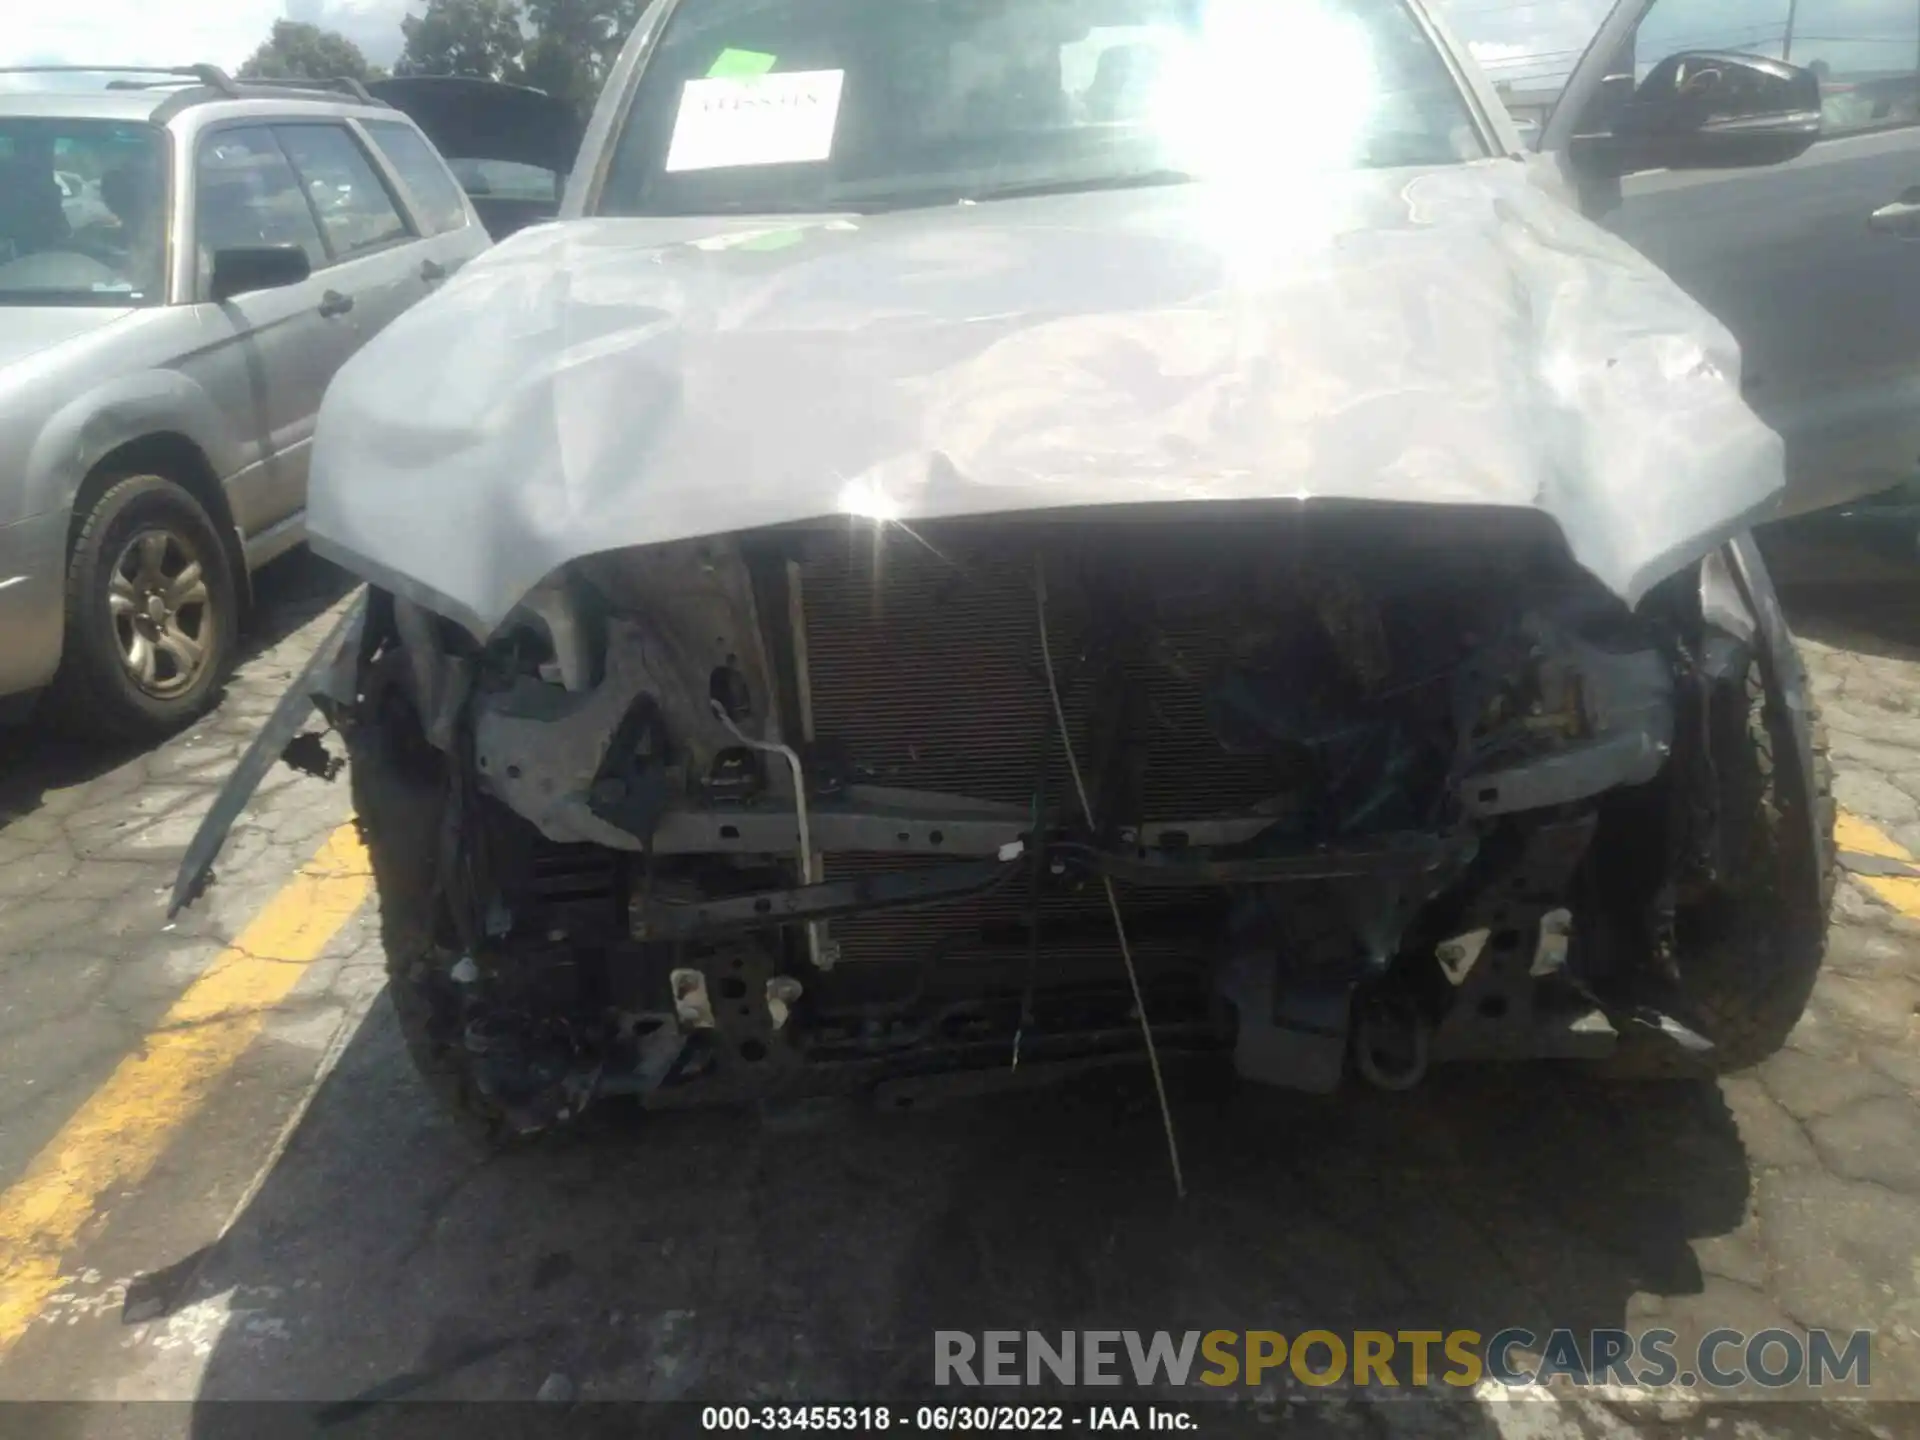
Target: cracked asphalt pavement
point(311, 1230)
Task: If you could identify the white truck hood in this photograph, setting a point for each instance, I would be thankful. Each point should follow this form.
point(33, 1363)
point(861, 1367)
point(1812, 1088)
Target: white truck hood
point(1454, 336)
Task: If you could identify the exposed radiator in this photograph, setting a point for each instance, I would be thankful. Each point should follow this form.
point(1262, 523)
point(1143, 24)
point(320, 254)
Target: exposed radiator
point(924, 664)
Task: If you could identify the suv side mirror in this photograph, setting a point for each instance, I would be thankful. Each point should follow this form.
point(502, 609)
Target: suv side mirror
point(240, 271)
point(1706, 110)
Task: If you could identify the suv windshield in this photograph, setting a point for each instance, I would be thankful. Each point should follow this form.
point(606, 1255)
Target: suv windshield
point(82, 212)
point(796, 105)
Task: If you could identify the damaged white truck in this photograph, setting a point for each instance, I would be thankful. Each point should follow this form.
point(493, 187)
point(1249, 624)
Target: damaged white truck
point(994, 538)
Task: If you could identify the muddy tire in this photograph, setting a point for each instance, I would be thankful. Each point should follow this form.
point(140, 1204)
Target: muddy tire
point(152, 613)
point(399, 797)
point(1749, 955)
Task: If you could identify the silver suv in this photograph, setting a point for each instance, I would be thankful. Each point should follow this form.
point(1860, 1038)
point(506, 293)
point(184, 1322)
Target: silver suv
point(184, 264)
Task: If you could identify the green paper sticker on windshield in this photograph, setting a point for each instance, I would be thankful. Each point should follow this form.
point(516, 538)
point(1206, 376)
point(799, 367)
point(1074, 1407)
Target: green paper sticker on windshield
point(734, 63)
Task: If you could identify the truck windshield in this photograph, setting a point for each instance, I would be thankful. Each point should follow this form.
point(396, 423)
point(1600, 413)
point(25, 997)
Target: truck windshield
point(82, 212)
point(768, 106)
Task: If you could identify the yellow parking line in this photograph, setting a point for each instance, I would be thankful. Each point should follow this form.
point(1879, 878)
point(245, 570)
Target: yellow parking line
point(1850, 832)
point(125, 1126)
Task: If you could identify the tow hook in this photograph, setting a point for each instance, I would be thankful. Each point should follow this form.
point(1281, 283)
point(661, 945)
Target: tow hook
point(1391, 1039)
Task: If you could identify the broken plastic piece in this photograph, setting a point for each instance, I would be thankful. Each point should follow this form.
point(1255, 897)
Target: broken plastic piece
point(1458, 956)
point(691, 1005)
point(782, 992)
point(288, 716)
point(1550, 952)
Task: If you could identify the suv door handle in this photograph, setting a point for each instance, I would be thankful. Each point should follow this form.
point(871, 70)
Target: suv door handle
point(334, 303)
point(432, 271)
point(1902, 217)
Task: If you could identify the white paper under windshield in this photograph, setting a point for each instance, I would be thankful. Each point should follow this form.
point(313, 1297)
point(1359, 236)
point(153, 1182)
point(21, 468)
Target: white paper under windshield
point(756, 120)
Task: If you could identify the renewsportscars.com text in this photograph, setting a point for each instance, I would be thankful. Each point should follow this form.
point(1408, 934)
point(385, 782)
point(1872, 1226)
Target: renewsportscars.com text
point(1514, 1357)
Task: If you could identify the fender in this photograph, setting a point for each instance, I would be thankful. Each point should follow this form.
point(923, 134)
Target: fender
point(130, 407)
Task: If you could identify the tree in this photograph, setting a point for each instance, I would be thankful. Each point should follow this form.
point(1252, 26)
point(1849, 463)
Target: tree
point(298, 51)
point(575, 44)
point(480, 38)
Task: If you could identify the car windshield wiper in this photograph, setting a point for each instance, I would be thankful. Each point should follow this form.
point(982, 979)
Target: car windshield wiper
point(877, 200)
point(705, 209)
point(1139, 179)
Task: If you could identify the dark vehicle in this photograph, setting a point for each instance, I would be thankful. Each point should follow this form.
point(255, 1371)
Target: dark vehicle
point(511, 147)
point(962, 557)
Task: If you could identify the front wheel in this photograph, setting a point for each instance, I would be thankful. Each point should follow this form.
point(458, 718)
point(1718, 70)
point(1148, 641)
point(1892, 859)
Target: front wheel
point(151, 612)
point(1749, 954)
point(399, 796)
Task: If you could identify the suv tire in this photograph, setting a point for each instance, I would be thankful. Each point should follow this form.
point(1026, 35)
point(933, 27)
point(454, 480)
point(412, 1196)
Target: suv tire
point(152, 612)
point(1748, 955)
point(1760, 944)
point(399, 798)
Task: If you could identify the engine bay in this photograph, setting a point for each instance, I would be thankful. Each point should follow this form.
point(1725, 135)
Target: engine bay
point(846, 806)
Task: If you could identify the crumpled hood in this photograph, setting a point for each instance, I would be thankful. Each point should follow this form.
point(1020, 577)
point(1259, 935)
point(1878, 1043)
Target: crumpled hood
point(1449, 337)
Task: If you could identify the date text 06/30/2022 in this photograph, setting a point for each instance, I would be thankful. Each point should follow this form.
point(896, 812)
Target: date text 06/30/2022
point(1721, 1360)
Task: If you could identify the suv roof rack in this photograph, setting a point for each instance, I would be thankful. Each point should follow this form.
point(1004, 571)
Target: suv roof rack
point(345, 84)
point(211, 76)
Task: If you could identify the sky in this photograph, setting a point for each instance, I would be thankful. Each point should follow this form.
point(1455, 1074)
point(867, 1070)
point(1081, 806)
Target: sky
point(152, 32)
point(1529, 42)
point(1526, 43)
point(225, 32)
point(1533, 43)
